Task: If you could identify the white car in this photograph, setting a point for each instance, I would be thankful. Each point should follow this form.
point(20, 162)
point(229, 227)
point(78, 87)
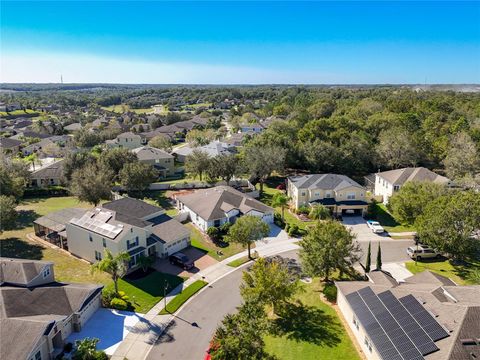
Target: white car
point(422, 252)
point(375, 226)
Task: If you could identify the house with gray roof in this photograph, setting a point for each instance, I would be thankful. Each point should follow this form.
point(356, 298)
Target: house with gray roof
point(37, 314)
point(48, 175)
point(125, 224)
point(338, 193)
point(219, 205)
point(159, 159)
point(127, 140)
point(388, 182)
point(427, 316)
point(9, 146)
point(213, 149)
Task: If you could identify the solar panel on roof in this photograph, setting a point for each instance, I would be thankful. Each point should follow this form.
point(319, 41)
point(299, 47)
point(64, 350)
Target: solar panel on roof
point(428, 323)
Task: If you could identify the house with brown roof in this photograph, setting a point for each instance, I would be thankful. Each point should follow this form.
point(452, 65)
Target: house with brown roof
point(219, 205)
point(125, 224)
point(127, 140)
point(387, 182)
point(427, 316)
point(48, 175)
point(159, 159)
point(37, 314)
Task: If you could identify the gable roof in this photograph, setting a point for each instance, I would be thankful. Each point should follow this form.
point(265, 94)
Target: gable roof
point(401, 176)
point(7, 143)
point(128, 135)
point(323, 181)
point(52, 171)
point(168, 229)
point(20, 271)
point(132, 207)
point(213, 203)
point(57, 220)
point(73, 127)
point(150, 153)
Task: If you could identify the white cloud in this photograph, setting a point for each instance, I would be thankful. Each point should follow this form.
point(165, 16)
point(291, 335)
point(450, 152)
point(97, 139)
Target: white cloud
point(84, 68)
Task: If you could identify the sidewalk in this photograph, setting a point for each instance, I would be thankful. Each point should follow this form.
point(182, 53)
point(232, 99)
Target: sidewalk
point(143, 336)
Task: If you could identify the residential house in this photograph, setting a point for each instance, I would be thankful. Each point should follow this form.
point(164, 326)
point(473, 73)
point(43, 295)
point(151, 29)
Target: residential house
point(9, 146)
point(25, 134)
point(219, 205)
point(161, 160)
point(213, 149)
point(338, 193)
point(139, 128)
point(127, 140)
point(73, 127)
point(125, 224)
point(237, 140)
point(48, 175)
point(387, 182)
point(37, 314)
point(426, 317)
point(43, 145)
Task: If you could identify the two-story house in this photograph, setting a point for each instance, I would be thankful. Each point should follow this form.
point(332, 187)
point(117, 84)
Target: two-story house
point(387, 182)
point(127, 140)
point(338, 193)
point(126, 224)
point(161, 160)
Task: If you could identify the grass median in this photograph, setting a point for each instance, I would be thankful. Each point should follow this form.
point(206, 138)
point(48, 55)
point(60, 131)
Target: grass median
point(181, 298)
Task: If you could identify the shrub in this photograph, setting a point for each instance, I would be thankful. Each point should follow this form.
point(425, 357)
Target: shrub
point(330, 292)
point(293, 230)
point(121, 295)
point(108, 294)
point(372, 210)
point(118, 304)
point(224, 228)
point(287, 227)
point(214, 233)
point(279, 221)
point(304, 209)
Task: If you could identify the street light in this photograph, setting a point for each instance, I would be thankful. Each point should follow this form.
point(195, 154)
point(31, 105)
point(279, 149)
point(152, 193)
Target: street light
point(165, 288)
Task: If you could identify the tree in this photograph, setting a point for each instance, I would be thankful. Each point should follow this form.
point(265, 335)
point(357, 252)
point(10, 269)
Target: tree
point(227, 166)
point(86, 349)
point(247, 230)
point(369, 260)
point(32, 159)
point(145, 262)
point(261, 161)
point(76, 160)
point(268, 282)
point(462, 158)
point(450, 222)
point(115, 159)
point(328, 246)
point(281, 200)
point(197, 137)
point(8, 215)
point(92, 183)
point(410, 201)
point(396, 148)
point(113, 265)
point(137, 177)
point(239, 337)
point(319, 212)
point(161, 142)
point(197, 162)
point(379, 257)
point(14, 177)
point(86, 139)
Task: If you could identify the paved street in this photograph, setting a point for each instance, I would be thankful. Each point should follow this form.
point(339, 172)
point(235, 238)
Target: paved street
point(184, 341)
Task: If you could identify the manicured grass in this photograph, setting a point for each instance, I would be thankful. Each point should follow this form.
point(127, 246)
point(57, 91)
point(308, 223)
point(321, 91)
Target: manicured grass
point(181, 298)
point(200, 242)
point(17, 112)
point(388, 222)
point(160, 198)
point(144, 293)
point(14, 243)
point(462, 274)
point(238, 262)
point(122, 108)
point(310, 329)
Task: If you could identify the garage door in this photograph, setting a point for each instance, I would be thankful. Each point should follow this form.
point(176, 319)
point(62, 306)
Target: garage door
point(177, 246)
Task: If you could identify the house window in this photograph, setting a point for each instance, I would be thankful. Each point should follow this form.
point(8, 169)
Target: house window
point(46, 272)
point(132, 243)
point(98, 255)
point(396, 187)
point(355, 322)
point(328, 195)
point(368, 343)
point(38, 355)
point(351, 196)
point(90, 237)
point(104, 242)
point(303, 193)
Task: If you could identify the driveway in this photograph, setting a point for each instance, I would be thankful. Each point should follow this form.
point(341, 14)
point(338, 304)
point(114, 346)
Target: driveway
point(109, 326)
point(275, 234)
point(393, 251)
point(201, 259)
point(359, 227)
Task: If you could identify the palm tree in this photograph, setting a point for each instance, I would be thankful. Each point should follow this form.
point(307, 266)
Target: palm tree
point(319, 212)
point(114, 265)
point(144, 262)
point(281, 200)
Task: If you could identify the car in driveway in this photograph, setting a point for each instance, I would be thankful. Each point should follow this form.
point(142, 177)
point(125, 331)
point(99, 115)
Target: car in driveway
point(182, 260)
point(422, 252)
point(375, 227)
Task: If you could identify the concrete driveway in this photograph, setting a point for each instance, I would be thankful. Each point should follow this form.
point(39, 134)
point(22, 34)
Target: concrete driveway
point(109, 326)
point(359, 227)
point(201, 259)
point(276, 234)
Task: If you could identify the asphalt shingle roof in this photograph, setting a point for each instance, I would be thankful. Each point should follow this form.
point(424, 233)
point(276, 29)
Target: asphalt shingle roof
point(323, 181)
point(401, 176)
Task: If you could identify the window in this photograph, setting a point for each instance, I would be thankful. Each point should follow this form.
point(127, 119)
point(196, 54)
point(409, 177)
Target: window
point(46, 272)
point(38, 355)
point(368, 343)
point(98, 255)
point(351, 196)
point(132, 243)
point(355, 322)
point(90, 237)
point(317, 194)
point(303, 193)
point(396, 187)
point(104, 242)
point(328, 195)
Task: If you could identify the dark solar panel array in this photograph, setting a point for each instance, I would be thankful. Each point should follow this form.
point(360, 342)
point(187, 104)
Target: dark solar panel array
point(424, 318)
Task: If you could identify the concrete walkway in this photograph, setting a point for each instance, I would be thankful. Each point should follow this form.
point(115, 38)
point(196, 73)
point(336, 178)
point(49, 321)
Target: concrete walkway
point(143, 336)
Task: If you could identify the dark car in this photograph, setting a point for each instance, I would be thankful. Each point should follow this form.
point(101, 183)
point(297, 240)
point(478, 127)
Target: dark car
point(181, 260)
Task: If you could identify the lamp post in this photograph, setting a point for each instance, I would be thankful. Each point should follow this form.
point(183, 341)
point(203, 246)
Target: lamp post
point(165, 287)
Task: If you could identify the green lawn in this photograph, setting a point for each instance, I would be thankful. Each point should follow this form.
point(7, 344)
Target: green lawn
point(122, 108)
point(200, 242)
point(17, 113)
point(144, 293)
point(310, 329)
point(238, 262)
point(14, 243)
point(388, 222)
point(160, 198)
point(462, 274)
point(181, 298)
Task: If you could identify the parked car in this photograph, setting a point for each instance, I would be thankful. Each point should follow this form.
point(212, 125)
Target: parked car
point(182, 260)
point(422, 252)
point(375, 226)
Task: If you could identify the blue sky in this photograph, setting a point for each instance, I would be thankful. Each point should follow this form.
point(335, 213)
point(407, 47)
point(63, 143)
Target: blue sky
point(241, 42)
